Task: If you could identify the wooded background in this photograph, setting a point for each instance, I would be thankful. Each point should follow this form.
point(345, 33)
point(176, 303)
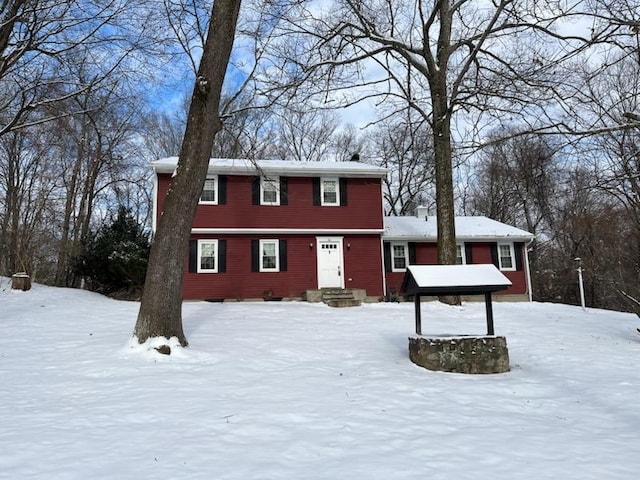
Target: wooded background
point(542, 99)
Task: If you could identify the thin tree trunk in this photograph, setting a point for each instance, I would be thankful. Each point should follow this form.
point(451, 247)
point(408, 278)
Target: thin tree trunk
point(160, 311)
point(62, 268)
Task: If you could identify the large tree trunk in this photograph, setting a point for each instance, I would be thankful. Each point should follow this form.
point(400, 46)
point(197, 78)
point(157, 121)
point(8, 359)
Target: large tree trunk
point(161, 308)
point(442, 147)
point(442, 140)
point(444, 186)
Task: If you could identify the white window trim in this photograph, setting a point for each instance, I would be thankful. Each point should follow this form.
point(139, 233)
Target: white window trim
point(406, 256)
point(277, 254)
point(216, 191)
point(463, 254)
point(511, 253)
point(329, 204)
point(274, 180)
point(201, 242)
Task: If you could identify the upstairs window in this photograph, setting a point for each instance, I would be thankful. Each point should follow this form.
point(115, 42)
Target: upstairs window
point(399, 260)
point(506, 256)
point(330, 192)
point(269, 191)
point(209, 193)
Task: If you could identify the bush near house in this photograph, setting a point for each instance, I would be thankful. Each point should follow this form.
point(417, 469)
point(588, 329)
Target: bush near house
point(115, 258)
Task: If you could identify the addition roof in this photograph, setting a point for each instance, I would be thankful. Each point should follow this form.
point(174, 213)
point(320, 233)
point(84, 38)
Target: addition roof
point(477, 228)
point(228, 166)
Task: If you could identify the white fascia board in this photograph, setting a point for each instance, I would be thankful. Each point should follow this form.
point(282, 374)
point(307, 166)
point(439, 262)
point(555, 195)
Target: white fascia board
point(479, 239)
point(287, 231)
point(504, 238)
point(276, 167)
point(323, 172)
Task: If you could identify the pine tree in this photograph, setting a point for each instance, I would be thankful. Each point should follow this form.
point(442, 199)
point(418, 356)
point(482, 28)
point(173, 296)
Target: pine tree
point(116, 256)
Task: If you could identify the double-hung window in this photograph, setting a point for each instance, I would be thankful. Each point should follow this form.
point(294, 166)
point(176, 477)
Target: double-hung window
point(269, 190)
point(207, 256)
point(330, 192)
point(209, 193)
point(460, 255)
point(399, 257)
point(269, 256)
point(506, 256)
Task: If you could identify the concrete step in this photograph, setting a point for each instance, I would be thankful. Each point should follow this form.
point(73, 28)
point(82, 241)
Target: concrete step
point(337, 296)
point(345, 302)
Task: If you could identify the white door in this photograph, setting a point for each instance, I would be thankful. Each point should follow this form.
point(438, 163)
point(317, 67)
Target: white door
point(330, 265)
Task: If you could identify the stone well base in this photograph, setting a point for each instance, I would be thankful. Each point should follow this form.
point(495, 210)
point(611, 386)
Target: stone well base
point(465, 354)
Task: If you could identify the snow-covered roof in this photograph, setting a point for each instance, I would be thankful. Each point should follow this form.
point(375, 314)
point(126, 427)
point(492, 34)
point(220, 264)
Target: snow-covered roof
point(229, 166)
point(467, 228)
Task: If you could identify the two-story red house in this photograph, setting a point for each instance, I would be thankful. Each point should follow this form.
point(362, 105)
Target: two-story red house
point(278, 229)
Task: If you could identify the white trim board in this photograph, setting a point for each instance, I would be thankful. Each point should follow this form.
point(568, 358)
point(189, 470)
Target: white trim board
point(285, 231)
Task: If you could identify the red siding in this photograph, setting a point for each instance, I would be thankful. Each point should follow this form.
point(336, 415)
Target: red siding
point(364, 208)
point(482, 254)
point(362, 263)
point(427, 254)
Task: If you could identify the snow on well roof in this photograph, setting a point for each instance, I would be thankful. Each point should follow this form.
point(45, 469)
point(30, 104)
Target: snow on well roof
point(467, 228)
point(279, 167)
point(457, 275)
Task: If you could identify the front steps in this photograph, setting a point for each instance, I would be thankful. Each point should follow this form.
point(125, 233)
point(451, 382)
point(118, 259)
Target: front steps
point(336, 297)
point(339, 297)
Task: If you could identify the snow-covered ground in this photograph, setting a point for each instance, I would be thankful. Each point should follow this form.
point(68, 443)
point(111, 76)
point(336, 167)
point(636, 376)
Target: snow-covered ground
point(303, 391)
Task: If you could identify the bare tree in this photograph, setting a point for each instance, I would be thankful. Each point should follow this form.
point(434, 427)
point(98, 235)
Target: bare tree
point(350, 141)
point(40, 39)
point(92, 149)
point(405, 148)
point(445, 60)
point(518, 180)
point(160, 309)
point(305, 134)
point(248, 129)
point(66, 68)
point(27, 181)
point(163, 133)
